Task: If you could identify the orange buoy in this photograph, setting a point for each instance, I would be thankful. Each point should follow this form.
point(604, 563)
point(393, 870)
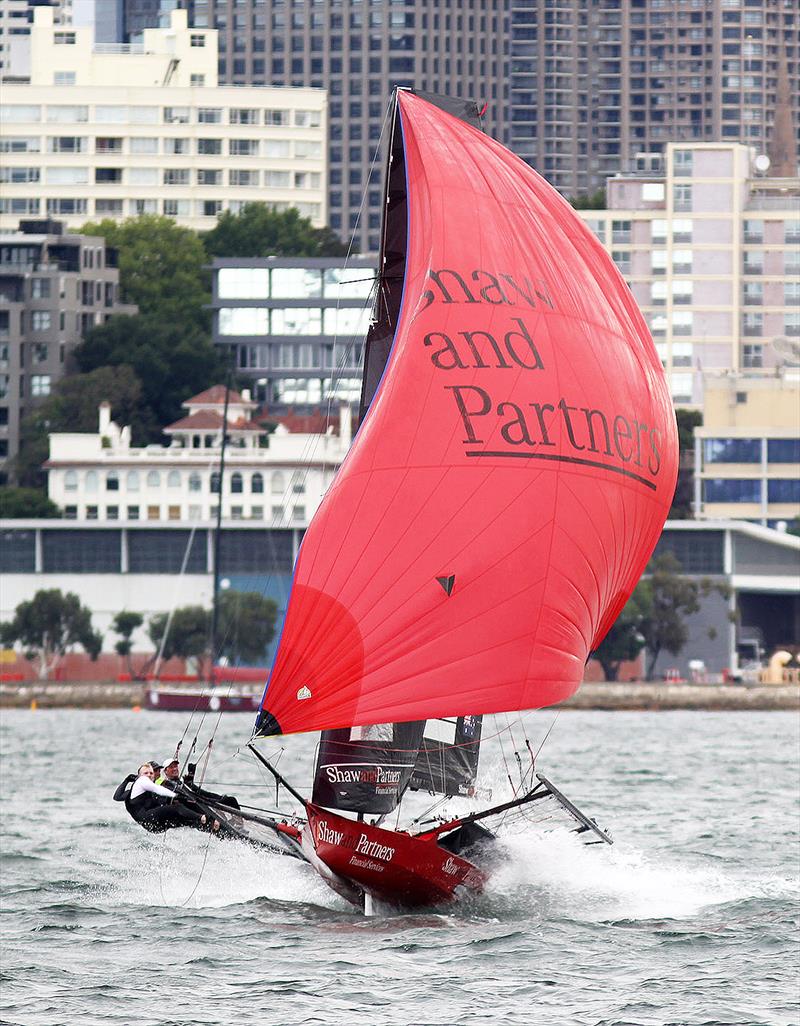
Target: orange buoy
point(34, 705)
point(136, 708)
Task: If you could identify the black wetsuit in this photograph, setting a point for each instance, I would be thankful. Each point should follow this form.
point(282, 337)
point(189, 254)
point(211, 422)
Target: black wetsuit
point(155, 812)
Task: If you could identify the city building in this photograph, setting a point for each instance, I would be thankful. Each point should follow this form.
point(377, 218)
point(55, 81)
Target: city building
point(144, 128)
point(277, 478)
point(358, 52)
point(296, 327)
point(595, 88)
point(54, 287)
point(711, 250)
point(15, 32)
point(747, 453)
point(152, 567)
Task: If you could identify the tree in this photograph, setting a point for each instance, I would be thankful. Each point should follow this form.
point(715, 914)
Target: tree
point(161, 267)
point(172, 359)
point(590, 201)
point(623, 642)
point(18, 503)
point(683, 501)
point(187, 632)
point(664, 598)
point(124, 624)
point(259, 231)
point(246, 625)
point(73, 406)
point(48, 626)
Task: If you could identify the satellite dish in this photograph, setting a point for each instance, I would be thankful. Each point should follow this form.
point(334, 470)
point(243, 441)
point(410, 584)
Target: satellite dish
point(762, 163)
point(787, 348)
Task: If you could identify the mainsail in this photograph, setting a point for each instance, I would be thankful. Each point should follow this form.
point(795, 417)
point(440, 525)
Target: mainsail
point(512, 473)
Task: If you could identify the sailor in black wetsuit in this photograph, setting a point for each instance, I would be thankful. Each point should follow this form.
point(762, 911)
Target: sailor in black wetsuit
point(170, 777)
point(155, 807)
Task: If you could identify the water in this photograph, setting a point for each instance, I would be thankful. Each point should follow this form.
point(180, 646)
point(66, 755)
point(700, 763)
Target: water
point(690, 918)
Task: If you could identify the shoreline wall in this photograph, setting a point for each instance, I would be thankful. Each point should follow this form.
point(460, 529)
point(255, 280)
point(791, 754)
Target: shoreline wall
point(603, 696)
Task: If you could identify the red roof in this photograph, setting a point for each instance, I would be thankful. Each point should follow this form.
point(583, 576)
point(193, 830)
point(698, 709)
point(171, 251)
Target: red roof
point(303, 423)
point(216, 395)
point(210, 420)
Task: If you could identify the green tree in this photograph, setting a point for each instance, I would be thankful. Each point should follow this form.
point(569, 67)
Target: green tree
point(18, 503)
point(124, 624)
point(246, 626)
point(623, 642)
point(161, 267)
point(184, 633)
point(73, 406)
point(683, 501)
point(259, 231)
point(590, 201)
point(664, 598)
point(172, 359)
point(48, 626)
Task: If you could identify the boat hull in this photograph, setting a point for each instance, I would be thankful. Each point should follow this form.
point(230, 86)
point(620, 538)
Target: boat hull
point(395, 868)
point(199, 699)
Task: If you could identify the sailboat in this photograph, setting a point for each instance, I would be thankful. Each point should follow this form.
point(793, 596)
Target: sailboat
point(515, 463)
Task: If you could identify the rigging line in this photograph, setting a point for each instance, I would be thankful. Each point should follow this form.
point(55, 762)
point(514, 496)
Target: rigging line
point(547, 735)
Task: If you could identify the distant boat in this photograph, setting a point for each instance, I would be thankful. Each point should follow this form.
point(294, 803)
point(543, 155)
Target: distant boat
point(514, 467)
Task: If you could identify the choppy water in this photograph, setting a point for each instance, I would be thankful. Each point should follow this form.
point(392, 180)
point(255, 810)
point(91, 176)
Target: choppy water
point(691, 918)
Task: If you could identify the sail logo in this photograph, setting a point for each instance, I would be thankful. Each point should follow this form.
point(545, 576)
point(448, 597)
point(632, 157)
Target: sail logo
point(381, 776)
point(328, 836)
point(521, 422)
point(303, 693)
point(372, 848)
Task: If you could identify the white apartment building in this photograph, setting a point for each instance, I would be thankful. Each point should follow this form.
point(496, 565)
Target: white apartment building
point(710, 245)
point(277, 479)
point(118, 130)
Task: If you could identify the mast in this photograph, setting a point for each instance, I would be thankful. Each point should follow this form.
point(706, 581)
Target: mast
point(218, 530)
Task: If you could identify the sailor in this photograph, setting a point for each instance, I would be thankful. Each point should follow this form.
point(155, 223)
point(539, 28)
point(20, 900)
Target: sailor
point(155, 807)
point(169, 775)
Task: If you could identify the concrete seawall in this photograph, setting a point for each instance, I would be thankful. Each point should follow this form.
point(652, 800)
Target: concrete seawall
point(711, 697)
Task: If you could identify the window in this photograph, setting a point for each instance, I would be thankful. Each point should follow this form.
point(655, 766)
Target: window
point(195, 482)
point(176, 176)
point(40, 320)
point(791, 232)
point(66, 206)
point(40, 288)
point(277, 148)
point(67, 144)
point(16, 112)
point(243, 116)
point(791, 293)
point(153, 479)
point(278, 484)
point(682, 197)
point(108, 175)
point(210, 208)
point(153, 512)
point(753, 293)
point(173, 512)
point(112, 512)
point(298, 482)
point(731, 490)
point(71, 481)
point(243, 147)
point(307, 119)
point(784, 490)
point(753, 231)
point(20, 144)
point(133, 512)
point(63, 78)
point(174, 479)
point(40, 384)
point(752, 324)
point(176, 115)
point(176, 146)
point(243, 178)
point(209, 116)
point(276, 117)
point(207, 177)
point(132, 481)
point(91, 481)
point(732, 450)
point(214, 483)
point(197, 39)
point(108, 144)
point(243, 283)
point(176, 208)
point(277, 179)
point(257, 484)
point(112, 481)
point(19, 175)
point(752, 355)
point(243, 321)
point(144, 144)
point(621, 231)
point(783, 450)
point(64, 38)
point(209, 146)
point(237, 484)
point(143, 176)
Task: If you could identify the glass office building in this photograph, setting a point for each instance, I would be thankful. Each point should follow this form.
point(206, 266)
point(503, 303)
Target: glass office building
point(296, 328)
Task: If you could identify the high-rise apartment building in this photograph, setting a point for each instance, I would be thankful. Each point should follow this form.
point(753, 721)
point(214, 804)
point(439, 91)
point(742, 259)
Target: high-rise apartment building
point(145, 129)
point(711, 250)
point(54, 287)
point(358, 52)
point(599, 87)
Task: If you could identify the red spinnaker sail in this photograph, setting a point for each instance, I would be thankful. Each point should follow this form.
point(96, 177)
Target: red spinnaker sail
point(511, 478)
